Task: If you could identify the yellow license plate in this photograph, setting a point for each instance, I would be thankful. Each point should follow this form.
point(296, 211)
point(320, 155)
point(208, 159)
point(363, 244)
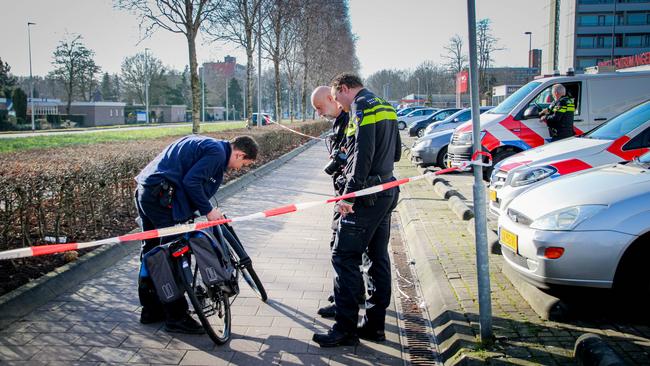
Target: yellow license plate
point(508, 239)
point(493, 195)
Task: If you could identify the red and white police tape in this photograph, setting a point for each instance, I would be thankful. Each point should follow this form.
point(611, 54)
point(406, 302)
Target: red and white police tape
point(186, 228)
point(297, 132)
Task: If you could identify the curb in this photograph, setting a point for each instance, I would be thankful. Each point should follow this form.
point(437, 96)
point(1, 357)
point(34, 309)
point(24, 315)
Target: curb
point(546, 306)
point(590, 349)
point(451, 332)
point(23, 300)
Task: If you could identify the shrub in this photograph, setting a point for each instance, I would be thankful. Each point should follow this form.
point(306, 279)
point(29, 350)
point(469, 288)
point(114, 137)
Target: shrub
point(86, 192)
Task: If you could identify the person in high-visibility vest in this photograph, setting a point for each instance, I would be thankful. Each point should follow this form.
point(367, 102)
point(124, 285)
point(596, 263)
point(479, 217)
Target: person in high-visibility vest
point(559, 115)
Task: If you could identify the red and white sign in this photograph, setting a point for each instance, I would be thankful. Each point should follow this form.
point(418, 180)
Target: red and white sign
point(628, 61)
point(462, 79)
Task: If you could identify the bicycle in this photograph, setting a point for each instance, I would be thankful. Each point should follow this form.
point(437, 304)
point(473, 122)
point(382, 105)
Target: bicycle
point(212, 303)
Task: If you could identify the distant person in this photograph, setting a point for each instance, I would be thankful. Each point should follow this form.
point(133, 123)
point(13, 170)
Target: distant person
point(178, 182)
point(559, 115)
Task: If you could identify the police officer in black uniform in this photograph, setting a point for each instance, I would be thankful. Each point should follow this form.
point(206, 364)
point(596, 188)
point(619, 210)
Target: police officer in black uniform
point(365, 222)
point(559, 115)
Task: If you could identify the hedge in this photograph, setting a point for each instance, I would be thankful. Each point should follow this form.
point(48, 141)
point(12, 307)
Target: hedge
point(86, 193)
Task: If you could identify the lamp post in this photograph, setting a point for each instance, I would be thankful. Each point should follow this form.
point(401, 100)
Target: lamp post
point(31, 80)
point(385, 87)
point(227, 115)
point(202, 70)
point(418, 96)
point(530, 47)
point(146, 83)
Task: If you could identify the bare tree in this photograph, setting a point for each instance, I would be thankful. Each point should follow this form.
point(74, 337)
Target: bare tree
point(138, 68)
point(486, 44)
point(237, 22)
point(177, 16)
point(276, 40)
point(71, 60)
point(455, 56)
point(88, 78)
point(292, 62)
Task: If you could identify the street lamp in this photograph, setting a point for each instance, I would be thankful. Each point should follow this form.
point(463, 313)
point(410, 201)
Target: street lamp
point(418, 96)
point(146, 83)
point(31, 80)
point(530, 48)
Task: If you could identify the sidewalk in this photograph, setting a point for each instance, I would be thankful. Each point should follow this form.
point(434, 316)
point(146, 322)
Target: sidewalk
point(447, 262)
point(98, 322)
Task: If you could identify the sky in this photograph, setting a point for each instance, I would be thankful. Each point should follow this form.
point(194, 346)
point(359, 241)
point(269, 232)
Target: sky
point(391, 33)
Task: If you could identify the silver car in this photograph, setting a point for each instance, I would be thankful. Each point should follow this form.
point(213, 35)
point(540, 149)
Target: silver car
point(584, 229)
point(431, 149)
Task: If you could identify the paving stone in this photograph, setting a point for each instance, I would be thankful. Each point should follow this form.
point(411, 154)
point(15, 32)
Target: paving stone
point(215, 358)
point(158, 356)
point(108, 354)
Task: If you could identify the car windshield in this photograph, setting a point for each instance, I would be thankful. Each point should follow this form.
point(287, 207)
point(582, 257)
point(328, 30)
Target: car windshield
point(510, 102)
point(622, 124)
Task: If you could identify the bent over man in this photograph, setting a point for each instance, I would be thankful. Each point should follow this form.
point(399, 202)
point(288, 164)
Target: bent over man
point(178, 182)
point(365, 222)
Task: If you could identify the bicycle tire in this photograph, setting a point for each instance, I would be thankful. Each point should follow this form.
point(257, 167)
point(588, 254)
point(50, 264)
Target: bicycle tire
point(222, 302)
point(250, 276)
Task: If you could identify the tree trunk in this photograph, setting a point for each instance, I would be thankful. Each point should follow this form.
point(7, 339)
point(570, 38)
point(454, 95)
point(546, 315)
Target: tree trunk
point(194, 82)
point(278, 91)
point(291, 111)
point(249, 81)
point(304, 93)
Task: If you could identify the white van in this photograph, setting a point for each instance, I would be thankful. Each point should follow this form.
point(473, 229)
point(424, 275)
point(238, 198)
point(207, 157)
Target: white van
point(514, 125)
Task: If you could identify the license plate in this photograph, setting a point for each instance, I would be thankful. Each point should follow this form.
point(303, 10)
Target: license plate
point(508, 239)
point(493, 195)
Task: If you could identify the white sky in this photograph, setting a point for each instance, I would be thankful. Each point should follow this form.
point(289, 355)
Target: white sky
point(391, 33)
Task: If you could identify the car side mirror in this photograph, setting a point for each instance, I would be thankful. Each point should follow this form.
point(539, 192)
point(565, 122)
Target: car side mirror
point(531, 112)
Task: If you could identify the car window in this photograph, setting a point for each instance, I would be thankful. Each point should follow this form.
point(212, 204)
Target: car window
point(639, 141)
point(428, 112)
point(622, 124)
point(545, 97)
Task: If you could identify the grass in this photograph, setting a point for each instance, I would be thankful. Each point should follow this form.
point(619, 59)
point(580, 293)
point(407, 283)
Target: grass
point(111, 135)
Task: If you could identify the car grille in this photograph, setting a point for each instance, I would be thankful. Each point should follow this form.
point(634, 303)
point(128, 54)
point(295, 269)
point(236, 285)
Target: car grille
point(459, 158)
point(519, 218)
point(515, 258)
point(499, 179)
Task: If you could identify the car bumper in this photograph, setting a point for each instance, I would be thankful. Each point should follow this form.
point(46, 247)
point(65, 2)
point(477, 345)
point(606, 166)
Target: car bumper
point(590, 258)
point(424, 156)
point(500, 197)
point(459, 154)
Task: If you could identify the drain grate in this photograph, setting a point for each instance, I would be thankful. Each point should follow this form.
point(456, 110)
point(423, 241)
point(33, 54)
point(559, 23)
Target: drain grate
point(416, 327)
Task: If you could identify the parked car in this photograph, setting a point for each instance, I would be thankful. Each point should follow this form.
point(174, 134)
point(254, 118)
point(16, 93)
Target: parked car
point(622, 138)
point(585, 229)
point(431, 149)
point(417, 127)
point(514, 125)
point(267, 120)
point(404, 111)
point(413, 116)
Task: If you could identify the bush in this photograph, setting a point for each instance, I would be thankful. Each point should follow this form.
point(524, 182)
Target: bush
point(86, 193)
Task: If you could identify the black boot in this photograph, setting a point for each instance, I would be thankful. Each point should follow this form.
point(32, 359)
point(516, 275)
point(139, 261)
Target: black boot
point(335, 338)
point(328, 311)
point(186, 325)
point(149, 316)
point(369, 334)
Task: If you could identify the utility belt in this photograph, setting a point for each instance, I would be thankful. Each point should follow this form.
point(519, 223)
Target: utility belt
point(164, 192)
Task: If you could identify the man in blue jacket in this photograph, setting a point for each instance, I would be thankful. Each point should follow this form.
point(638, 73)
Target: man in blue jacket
point(178, 182)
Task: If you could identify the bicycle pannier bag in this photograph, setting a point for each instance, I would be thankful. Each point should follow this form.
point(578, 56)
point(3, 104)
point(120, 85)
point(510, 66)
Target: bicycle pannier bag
point(214, 264)
point(159, 267)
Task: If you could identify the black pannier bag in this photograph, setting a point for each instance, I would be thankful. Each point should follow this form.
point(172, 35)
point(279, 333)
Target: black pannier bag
point(214, 264)
point(159, 267)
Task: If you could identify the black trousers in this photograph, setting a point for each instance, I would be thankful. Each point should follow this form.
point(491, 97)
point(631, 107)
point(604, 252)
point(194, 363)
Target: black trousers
point(154, 216)
point(366, 230)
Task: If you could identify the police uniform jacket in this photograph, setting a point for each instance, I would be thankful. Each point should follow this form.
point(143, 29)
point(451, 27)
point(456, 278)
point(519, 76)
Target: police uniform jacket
point(560, 118)
point(194, 165)
point(376, 146)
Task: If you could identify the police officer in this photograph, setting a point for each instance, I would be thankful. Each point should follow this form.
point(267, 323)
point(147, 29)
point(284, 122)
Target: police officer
point(178, 182)
point(338, 143)
point(559, 115)
point(365, 222)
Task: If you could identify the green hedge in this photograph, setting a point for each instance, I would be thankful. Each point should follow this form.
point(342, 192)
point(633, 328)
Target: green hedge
point(85, 193)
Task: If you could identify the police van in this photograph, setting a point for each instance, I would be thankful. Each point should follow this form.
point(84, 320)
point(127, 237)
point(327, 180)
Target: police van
point(514, 125)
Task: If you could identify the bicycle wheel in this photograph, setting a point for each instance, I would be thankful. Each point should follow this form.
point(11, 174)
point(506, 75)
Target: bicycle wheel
point(210, 304)
point(253, 281)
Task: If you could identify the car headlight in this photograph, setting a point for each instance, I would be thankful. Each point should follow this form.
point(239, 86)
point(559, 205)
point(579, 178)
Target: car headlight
point(530, 176)
point(464, 139)
point(567, 218)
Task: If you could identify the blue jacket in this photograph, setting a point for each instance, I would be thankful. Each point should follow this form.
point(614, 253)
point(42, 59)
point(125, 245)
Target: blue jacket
point(195, 166)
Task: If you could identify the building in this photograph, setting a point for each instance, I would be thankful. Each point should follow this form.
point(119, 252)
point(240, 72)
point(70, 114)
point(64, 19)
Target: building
point(535, 59)
point(169, 113)
point(582, 33)
point(640, 62)
point(501, 92)
point(99, 113)
point(43, 107)
point(217, 74)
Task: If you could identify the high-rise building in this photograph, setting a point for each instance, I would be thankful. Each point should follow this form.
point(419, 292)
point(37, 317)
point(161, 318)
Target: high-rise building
point(582, 33)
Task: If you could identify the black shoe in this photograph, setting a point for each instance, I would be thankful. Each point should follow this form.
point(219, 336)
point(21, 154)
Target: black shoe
point(150, 317)
point(335, 338)
point(370, 334)
point(186, 325)
point(328, 311)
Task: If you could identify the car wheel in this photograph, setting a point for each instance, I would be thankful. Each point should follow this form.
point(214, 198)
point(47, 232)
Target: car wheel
point(443, 158)
point(401, 125)
point(420, 132)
